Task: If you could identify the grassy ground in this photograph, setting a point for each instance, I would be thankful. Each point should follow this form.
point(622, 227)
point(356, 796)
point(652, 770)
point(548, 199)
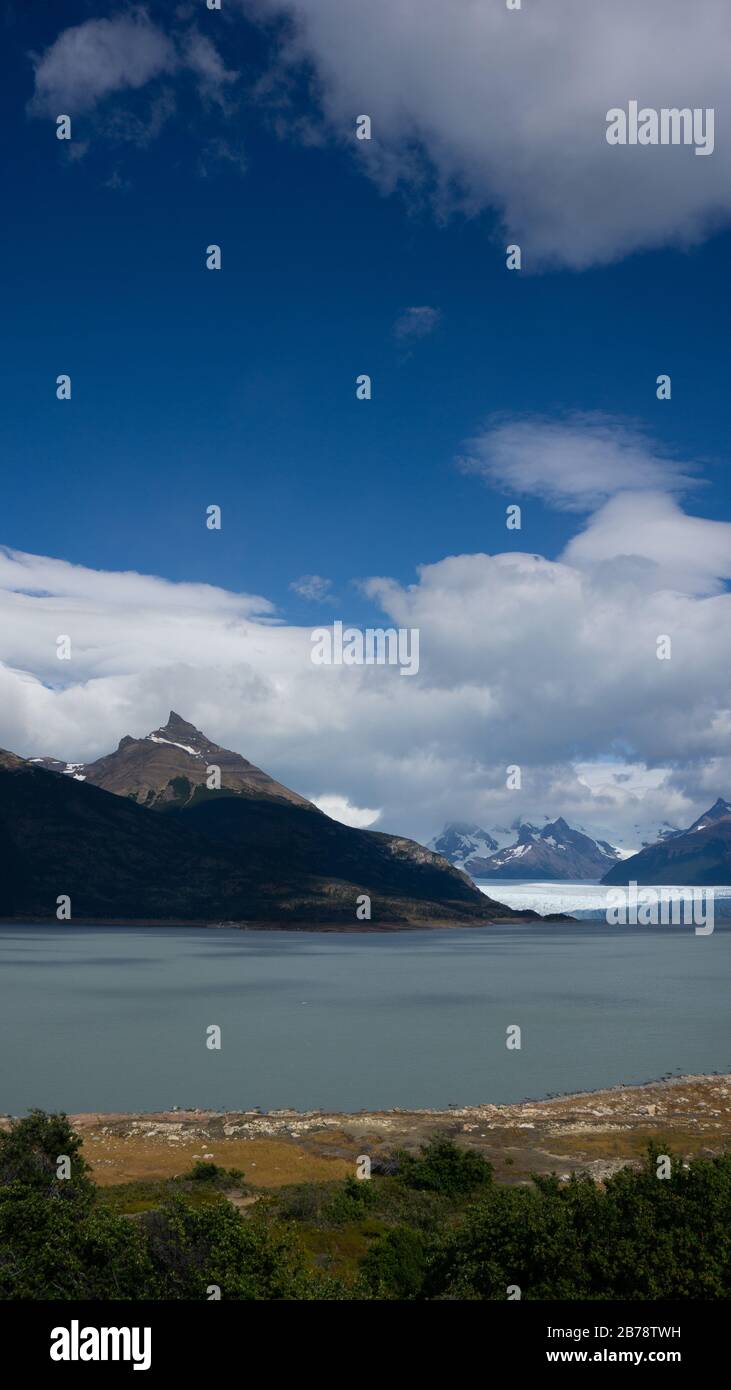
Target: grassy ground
point(334, 1230)
point(268, 1162)
point(596, 1131)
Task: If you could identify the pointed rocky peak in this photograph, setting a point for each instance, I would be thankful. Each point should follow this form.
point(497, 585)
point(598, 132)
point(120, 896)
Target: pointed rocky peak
point(555, 828)
point(173, 764)
point(177, 725)
point(718, 811)
point(181, 734)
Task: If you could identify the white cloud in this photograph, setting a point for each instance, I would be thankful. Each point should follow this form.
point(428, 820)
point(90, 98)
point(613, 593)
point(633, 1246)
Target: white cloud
point(524, 660)
point(101, 57)
point(417, 322)
point(592, 460)
point(312, 587)
point(618, 787)
point(480, 107)
point(574, 463)
point(202, 57)
point(90, 61)
point(687, 553)
point(35, 574)
point(339, 808)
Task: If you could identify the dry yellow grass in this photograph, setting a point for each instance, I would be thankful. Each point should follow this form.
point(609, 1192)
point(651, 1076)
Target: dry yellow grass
point(266, 1162)
point(596, 1131)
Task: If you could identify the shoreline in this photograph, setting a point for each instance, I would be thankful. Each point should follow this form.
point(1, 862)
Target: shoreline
point(514, 919)
point(596, 1131)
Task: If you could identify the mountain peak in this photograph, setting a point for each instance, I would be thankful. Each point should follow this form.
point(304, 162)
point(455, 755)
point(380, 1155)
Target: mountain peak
point(172, 765)
point(718, 811)
point(182, 734)
point(176, 724)
point(559, 824)
point(698, 856)
point(553, 852)
point(463, 842)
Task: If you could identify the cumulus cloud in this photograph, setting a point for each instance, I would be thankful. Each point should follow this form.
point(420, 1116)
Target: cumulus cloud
point(479, 107)
point(95, 60)
point(312, 587)
point(574, 463)
point(339, 808)
point(591, 462)
point(687, 553)
point(546, 664)
point(416, 322)
point(649, 789)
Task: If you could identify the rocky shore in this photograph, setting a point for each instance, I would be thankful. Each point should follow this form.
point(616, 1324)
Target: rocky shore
point(597, 1132)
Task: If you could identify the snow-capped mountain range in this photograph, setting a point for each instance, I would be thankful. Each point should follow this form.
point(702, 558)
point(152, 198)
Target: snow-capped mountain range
point(555, 851)
point(463, 844)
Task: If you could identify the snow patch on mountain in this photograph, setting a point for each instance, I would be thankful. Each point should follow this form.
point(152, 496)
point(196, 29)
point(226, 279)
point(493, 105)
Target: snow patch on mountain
point(155, 738)
point(461, 841)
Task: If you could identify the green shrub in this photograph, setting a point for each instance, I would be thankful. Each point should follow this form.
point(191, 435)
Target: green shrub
point(211, 1173)
point(640, 1238)
point(55, 1250)
point(444, 1168)
point(30, 1151)
point(204, 1172)
point(394, 1266)
point(192, 1249)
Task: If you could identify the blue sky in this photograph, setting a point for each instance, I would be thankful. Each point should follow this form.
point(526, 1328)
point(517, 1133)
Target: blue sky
point(192, 387)
point(237, 387)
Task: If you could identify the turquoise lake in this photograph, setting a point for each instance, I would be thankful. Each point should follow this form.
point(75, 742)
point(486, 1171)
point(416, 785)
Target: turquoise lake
point(116, 1018)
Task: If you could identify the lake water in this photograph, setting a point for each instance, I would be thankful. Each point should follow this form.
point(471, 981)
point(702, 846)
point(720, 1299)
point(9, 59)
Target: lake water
point(116, 1018)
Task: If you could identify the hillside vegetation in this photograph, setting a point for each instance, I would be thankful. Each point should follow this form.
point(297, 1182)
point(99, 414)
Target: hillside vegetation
point(434, 1225)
